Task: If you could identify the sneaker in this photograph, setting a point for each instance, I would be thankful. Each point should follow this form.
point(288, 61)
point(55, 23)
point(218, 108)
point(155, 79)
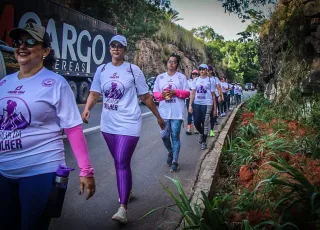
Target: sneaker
point(174, 167)
point(200, 139)
point(195, 131)
point(188, 132)
point(169, 159)
point(203, 145)
point(130, 197)
point(212, 133)
point(121, 216)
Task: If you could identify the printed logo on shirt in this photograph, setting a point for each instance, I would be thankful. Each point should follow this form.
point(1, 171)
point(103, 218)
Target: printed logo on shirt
point(114, 76)
point(113, 92)
point(2, 82)
point(17, 90)
point(161, 77)
point(201, 90)
point(48, 82)
point(15, 116)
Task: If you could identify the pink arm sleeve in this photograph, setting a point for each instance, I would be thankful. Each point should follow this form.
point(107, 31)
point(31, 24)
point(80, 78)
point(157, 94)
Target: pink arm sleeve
point(80, 149)
point(183, 94)
point(158, 96)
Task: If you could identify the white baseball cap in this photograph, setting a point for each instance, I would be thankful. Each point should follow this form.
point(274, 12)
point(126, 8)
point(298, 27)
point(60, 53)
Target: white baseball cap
point(120, 39)
point(205, 66)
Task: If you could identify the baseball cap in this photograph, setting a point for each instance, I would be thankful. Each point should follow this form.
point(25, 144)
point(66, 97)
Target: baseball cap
point(195, 71)
point(210, 68)
point(120, 39)
point(36, 31)
point(203, 66)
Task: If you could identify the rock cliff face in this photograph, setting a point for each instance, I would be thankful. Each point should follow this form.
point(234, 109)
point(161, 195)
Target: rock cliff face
point(152, 56)
point(290, 50)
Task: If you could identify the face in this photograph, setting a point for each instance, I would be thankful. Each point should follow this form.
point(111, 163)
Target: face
point(210, 72)
point(30, 54)
point(194, 75)
point(222, 80)
point(203, 71)
point(117, 50)
point(172, 64)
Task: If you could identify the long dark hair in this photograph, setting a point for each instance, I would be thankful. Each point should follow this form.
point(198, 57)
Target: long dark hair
point(50, 61)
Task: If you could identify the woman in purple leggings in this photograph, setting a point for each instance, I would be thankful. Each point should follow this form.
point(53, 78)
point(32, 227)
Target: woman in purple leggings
point(119, 82)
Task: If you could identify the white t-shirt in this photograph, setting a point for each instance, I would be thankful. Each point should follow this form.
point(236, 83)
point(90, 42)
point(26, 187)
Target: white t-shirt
point(215, 81)
point(190, 83)
point(175, 107)
point(203, 88)
point(224, 86)
point(33, 112)
point(235, 90)
point(121, 113)
point(239, 90)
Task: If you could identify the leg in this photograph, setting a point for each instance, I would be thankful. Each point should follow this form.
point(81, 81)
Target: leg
point(206, 111)
point(165, 135)
point(34, 193)
point(175, 136)
point(10, 211)
point(122, 148)
point(197, 117)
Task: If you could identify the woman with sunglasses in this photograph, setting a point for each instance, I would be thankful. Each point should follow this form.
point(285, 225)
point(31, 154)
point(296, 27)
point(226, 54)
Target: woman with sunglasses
point(35, 106)
point(202, 100)
point(193, 76)
point(171, 89)
point(121, 121)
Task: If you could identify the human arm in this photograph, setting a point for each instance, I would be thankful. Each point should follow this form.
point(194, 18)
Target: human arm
point(94, 95)
point(192, 95)
point(147, 100)
point(80, 150)
point(214, 104)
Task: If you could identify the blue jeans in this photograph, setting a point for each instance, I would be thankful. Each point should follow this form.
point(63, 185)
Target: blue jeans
point(23, 202)
point(173, 128)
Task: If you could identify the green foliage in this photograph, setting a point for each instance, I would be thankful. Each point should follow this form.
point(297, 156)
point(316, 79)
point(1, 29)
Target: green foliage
point(194, 217)
point(207, 34)
point(257, 102)
point(182, 38)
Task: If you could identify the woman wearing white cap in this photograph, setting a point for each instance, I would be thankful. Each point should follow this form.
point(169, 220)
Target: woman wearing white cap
point(201, 101)
point(119, 82)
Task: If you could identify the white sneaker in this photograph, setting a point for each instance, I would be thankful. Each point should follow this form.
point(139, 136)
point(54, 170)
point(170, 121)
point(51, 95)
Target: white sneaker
point(121, 216)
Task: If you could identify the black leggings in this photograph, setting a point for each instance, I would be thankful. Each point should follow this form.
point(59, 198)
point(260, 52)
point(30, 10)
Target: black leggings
point(225, 103)
point(213, 119)
point(201, 116)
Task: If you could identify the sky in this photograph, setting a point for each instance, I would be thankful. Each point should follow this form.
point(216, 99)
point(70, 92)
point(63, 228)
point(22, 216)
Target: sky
point(196, 13)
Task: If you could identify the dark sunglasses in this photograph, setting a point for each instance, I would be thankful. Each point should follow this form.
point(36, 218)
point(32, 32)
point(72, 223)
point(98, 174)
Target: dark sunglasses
point(194, 74)
point(173, 62)
point(116, 46)
point(202, 69)
point(29, 43)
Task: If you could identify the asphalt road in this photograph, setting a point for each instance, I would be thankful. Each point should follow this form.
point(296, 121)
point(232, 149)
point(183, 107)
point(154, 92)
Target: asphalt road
point(148, 168)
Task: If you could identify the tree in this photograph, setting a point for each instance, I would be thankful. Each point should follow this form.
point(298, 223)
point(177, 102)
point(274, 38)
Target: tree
point(206, 33)
point(173, 16)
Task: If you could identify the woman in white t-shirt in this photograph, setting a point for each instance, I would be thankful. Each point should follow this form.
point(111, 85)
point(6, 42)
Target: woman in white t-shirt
point(36, 105)
point(194, 75)
point(171, 89)
point(119, 82)
point(202, 100)
point(225, 89)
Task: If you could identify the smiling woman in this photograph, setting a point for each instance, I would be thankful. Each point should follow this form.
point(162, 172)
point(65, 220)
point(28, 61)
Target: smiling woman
point(35, 106)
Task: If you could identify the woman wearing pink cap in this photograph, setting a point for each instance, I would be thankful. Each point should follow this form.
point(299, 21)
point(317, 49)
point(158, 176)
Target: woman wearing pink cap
point(121, 121)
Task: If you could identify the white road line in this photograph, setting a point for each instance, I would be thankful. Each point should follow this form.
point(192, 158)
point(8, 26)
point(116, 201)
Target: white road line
point(98, 127)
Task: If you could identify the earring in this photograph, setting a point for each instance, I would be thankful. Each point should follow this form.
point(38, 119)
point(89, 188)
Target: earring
point(43, 57)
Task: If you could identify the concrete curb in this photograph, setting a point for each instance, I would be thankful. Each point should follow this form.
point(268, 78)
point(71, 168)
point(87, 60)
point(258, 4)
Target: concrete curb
point(207, 171)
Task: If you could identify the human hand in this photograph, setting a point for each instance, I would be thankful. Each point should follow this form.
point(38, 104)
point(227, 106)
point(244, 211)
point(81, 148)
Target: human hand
point(219, 99)
point(190, 109)
point(85, 116)
point(89, 184)
point(162, 123)
point(215, 113)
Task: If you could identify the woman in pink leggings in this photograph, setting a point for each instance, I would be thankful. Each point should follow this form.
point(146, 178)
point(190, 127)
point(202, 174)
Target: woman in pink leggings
point(119, 82)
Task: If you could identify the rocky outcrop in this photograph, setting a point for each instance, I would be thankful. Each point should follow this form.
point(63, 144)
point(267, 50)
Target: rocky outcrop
point(290, 49)
point(152, 56)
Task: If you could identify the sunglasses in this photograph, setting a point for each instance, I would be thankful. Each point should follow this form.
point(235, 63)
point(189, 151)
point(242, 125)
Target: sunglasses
point(173, 62)
point(202, 68)
point(194, 74)
point(29, 43)
point(118, 46)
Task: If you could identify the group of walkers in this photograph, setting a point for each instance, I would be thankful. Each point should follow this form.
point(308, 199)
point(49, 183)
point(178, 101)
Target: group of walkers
point(37, 105)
